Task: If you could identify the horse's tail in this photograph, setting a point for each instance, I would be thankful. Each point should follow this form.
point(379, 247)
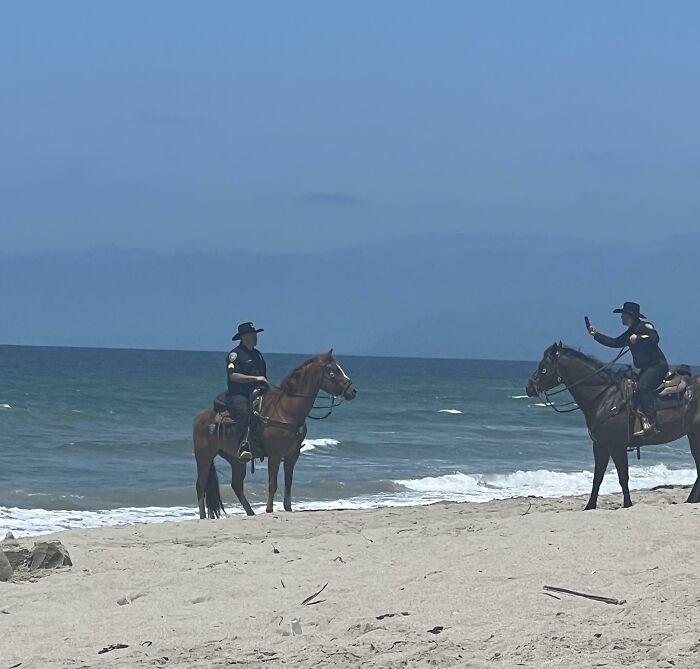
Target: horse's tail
point(212, 496)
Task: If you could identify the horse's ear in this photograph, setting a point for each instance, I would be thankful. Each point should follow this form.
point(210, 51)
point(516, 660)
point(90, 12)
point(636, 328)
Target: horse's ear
point(560, 344)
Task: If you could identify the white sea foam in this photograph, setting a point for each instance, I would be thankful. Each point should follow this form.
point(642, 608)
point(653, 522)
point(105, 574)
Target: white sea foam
point(455, 487)
point(539, 404)
point(5, 406)
point(519, 397)
point(312, 444)
point(541, 482)
point(449, 411)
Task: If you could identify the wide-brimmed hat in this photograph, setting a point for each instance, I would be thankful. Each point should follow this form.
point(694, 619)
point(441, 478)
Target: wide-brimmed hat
point(630, 308)
point(244, 329)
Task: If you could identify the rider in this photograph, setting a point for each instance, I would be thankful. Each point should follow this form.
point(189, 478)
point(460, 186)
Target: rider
point(246, 371)
point(643, 340)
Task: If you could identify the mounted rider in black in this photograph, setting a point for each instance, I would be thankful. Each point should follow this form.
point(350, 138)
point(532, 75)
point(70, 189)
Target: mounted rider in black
point(643, 341)
point(246, 370)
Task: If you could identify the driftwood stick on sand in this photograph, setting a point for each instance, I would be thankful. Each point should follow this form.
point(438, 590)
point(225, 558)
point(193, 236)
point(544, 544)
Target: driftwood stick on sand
point(606, 600)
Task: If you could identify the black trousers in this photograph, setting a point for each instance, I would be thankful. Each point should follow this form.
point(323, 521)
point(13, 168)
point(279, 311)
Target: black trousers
point(239, 409)
point(650, 379)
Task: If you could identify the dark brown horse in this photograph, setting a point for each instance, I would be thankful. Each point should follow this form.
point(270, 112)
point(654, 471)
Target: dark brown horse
point(278, 432)
point(601, 395)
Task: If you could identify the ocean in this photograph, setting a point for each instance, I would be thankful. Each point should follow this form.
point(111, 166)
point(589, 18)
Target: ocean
point(93, 437)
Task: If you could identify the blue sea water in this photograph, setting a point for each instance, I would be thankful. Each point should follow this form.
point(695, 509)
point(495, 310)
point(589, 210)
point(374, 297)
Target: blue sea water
point(92, 437)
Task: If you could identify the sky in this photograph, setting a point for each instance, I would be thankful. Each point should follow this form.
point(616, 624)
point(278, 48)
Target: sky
point(303, 126)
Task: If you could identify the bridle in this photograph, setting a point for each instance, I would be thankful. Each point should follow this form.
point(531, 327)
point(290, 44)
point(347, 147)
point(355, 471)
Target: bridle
point(335, 401)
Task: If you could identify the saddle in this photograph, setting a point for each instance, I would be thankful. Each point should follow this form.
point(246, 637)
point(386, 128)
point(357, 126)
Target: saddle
point(221, 414)
point(223, 424)
point(675, 391)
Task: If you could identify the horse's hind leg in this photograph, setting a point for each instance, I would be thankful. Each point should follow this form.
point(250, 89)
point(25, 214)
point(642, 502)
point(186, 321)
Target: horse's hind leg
point(619, 456)
point(601, 455)
point(238, 471)
point(273, 468)
point(694, 439)
point(289, 462)
point(204, 456)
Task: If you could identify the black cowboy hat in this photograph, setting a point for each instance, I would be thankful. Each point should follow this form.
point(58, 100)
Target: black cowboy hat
point(630, 308)
point(244, 329)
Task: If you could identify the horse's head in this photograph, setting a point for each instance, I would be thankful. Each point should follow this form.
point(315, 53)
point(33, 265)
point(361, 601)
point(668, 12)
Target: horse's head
point(335, 381)
point(546, 376)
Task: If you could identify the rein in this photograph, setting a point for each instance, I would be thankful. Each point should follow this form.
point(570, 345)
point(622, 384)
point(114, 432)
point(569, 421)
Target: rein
point(557, 407)
point(297, 429)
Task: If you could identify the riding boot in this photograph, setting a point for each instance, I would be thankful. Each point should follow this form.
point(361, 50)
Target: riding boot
point(648, 429)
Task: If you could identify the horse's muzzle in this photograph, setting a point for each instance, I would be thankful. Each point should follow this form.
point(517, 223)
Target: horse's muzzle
point(350, 393)
point(531, 388)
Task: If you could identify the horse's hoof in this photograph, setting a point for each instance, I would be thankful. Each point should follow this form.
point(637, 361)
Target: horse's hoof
point(590, 507)
point(627, 504)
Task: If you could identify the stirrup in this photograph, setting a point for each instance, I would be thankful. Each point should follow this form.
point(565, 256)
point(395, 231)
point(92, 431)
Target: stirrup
point(244, 456)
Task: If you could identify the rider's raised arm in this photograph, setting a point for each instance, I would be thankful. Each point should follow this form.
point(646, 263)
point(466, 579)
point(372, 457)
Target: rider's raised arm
point(612, 342)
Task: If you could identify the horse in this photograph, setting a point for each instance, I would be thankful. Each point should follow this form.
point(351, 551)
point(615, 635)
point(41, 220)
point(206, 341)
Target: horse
point(277, 430)
point(602, 395)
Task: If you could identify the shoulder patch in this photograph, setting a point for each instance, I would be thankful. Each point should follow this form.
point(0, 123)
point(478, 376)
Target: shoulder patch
point(232, 356)
point(649, 325)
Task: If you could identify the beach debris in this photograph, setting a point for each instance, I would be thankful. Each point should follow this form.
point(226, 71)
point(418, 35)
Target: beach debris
point(549, 594)
point(9, 537)
point(275, 550)
point(147, 643)
point(392, 615)
point(283, 585)
point(528, 510)
point(436, 630)
point(309, 600)
point(49, 555)
point(597, 598)
point(6, 568)
point(339, 559)
point(295, 627)
point(110, 648)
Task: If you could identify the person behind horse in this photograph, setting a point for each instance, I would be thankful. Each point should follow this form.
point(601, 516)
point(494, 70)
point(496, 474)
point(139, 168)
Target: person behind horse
point(246, 371)
point(643, 340)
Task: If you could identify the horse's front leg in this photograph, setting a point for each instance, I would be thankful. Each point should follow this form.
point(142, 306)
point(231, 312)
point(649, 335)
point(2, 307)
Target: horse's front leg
point(273, 468)
point(619, 456)
point(289, 462)
point(601, 455)
point(694, 439)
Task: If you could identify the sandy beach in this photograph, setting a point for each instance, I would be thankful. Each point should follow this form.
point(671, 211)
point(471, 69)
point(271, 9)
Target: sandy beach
point(448, 585)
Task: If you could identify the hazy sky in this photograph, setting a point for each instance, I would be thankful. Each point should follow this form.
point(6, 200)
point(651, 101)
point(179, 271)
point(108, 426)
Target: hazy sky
point(291, 125)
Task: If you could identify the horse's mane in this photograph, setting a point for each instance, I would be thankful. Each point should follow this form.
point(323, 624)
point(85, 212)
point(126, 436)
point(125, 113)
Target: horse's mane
point(595, 364)
point(288, 382)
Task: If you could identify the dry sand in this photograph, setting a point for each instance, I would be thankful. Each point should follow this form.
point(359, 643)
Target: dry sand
point(216, 594)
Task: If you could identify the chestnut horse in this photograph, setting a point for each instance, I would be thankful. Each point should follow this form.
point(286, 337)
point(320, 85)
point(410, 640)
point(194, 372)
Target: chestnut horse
point(600, 394)
point(277, 430)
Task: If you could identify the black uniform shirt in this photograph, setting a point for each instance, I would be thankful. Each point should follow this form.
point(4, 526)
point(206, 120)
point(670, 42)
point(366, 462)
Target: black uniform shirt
point(244, 361)
point(645, 351)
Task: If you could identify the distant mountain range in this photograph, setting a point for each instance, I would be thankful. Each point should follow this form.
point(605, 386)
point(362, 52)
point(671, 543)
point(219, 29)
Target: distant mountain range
point(443, 295)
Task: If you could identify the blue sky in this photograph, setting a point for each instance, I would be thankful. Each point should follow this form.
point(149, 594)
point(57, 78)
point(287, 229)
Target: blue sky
point(309, 125)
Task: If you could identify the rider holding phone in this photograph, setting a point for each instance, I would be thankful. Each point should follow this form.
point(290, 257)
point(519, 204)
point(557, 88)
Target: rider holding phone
point(643, 341)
